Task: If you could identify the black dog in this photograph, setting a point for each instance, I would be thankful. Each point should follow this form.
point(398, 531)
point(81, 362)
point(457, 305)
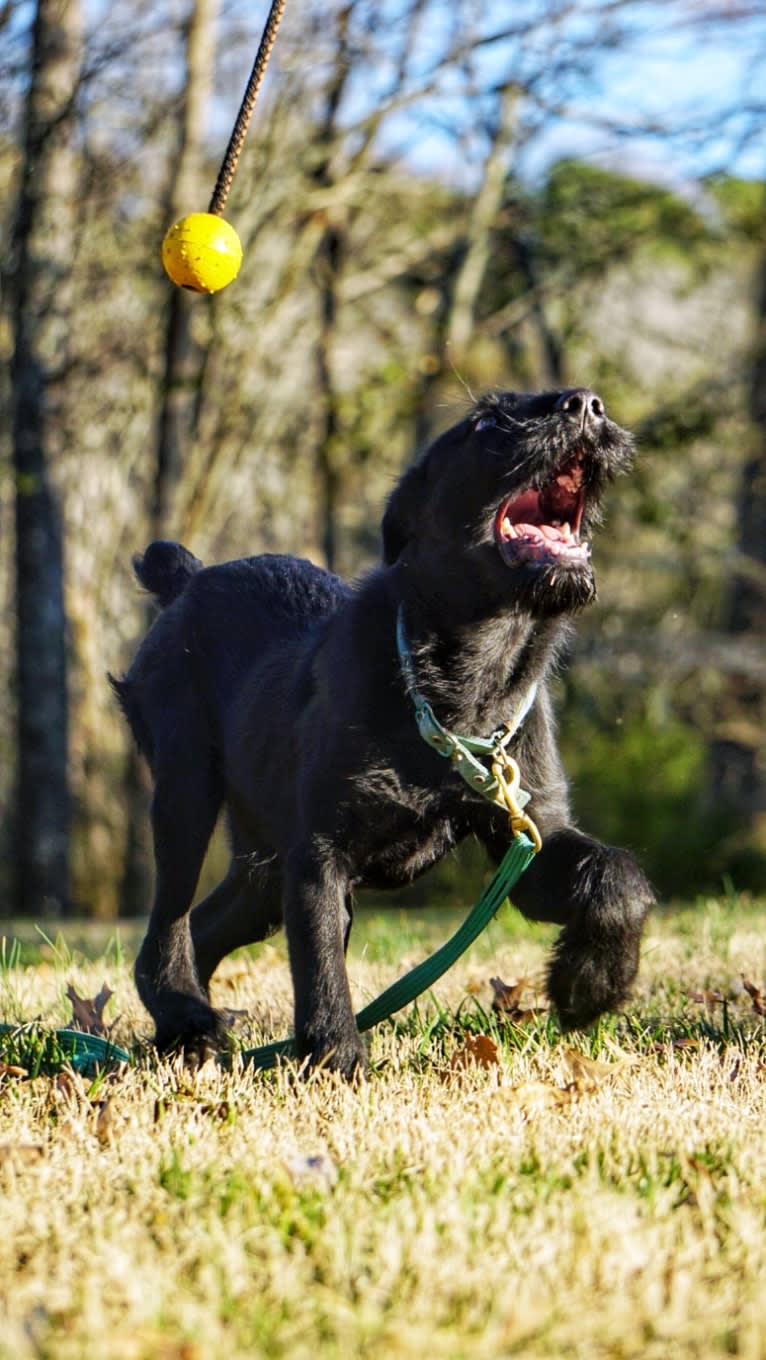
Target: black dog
point(275, 689)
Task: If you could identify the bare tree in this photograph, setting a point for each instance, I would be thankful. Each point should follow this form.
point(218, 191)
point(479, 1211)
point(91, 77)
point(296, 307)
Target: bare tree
point(184, 356)
point(738, 759)
point(41, 257)
point(179, 397)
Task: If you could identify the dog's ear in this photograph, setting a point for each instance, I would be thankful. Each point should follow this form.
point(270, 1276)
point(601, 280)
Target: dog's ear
point(404, 511)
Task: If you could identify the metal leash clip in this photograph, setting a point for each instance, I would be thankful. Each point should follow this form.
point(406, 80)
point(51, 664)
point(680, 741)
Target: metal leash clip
point(509, 794)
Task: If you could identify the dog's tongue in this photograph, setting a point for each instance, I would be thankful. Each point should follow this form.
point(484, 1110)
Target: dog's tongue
point(552, 533)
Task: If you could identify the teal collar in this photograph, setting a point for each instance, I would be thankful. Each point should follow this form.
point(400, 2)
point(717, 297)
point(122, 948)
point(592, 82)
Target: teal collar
point(461, 751)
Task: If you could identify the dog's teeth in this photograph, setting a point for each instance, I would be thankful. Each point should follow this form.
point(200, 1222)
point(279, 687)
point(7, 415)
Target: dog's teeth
point(509, 529)
point(566, 530)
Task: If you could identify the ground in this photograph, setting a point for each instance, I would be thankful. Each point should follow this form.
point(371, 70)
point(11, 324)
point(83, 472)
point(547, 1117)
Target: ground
point(482, 1199)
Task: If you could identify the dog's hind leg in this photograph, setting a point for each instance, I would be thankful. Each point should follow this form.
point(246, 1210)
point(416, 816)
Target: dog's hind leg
point(187, 798)
point(243, 909)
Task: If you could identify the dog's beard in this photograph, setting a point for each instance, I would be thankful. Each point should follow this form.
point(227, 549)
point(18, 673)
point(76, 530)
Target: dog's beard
point(551, 589)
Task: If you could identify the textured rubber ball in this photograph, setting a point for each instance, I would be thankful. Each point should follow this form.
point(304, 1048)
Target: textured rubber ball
point(202, 252)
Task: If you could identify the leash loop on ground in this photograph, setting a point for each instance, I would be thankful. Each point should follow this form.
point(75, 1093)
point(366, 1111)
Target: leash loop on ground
point(86, 1052)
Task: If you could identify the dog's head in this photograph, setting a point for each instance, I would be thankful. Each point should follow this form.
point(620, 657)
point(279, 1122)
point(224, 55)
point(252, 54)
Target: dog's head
point(499, 511)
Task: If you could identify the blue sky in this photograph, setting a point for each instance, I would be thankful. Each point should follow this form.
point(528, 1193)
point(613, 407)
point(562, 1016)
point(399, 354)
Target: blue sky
point(670, 63)
point(669, 68)
point(684, 78)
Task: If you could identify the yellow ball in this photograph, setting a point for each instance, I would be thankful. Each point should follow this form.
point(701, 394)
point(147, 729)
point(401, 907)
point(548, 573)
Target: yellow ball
point(202, 252)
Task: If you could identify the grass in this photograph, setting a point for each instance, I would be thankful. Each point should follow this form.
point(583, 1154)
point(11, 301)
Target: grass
point(537, 1206)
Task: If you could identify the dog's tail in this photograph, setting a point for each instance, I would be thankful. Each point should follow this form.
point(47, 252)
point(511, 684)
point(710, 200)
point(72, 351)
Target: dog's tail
point(166, 569)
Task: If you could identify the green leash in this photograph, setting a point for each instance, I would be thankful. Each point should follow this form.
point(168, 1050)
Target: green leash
point(55, 1049)
point(84, 1052)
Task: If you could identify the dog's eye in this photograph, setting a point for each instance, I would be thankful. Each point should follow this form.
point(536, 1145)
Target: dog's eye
point(485, 422)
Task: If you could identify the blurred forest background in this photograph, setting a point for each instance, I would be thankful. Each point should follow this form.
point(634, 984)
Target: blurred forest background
point(407, 239)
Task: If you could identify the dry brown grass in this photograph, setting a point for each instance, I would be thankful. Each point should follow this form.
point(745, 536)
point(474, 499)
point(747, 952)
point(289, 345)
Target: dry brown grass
point(434, 1212)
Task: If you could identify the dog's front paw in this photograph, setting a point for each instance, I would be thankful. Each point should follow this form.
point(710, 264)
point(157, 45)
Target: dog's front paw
point(586, 979)
point(184, 1024)
point(326, 1052)
point(595, 959)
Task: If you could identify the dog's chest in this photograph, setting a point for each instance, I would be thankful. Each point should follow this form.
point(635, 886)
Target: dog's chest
point(395, 830)
point(404, 856)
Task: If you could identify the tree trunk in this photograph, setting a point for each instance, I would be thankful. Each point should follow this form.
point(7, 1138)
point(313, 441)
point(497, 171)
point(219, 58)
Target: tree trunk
point(738, 757)
point(43, 244)
point(484, 214)
point(178, 408)
point(178, 405)
point(328, 264)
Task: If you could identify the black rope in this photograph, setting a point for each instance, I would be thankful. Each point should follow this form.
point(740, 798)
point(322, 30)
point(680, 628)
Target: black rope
point(239, 132)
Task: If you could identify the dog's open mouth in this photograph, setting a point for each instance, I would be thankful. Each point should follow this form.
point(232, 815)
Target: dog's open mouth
point(544, 526)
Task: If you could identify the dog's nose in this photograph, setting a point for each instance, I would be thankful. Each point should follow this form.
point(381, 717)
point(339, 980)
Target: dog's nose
point(582, 405)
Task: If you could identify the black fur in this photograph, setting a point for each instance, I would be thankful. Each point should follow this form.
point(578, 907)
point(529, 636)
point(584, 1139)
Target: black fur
point(274, 689)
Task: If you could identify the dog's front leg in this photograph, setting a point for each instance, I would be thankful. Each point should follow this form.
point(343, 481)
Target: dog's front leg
point(316, 917)
point(600, 897)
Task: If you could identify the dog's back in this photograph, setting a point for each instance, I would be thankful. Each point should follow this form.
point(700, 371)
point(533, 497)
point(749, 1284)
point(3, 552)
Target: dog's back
point(216, 624)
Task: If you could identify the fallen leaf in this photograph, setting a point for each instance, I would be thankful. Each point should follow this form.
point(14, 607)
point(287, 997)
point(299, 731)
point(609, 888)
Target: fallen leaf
point(9, 1070)
point(23, 1153)
point(506, 1001)
point(105, 1122)
point(317, 1169)
point(219, 1109)
point(708, 997)
point(756, 996)
point(588, 1073)
point(540, 1095)
point(506, 994)
point(67, 1087)
point(87, 1014)
point(479, 1051)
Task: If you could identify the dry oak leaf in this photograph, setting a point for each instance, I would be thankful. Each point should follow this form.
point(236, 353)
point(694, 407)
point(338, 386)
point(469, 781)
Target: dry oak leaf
point(105, 1121)
point(21, 1154)
point(533, 1096)
point(10, 1070)
point(506, 1001)
point(680, 1044)
point(479, 1050)
point(67, 1086)
point(588, 1073)
point(756, 996)
point(710, 996)
point(87, 1014)
point(506, 994)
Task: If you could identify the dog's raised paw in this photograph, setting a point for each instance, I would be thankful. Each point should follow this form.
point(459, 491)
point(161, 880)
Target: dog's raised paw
point(585, 980)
